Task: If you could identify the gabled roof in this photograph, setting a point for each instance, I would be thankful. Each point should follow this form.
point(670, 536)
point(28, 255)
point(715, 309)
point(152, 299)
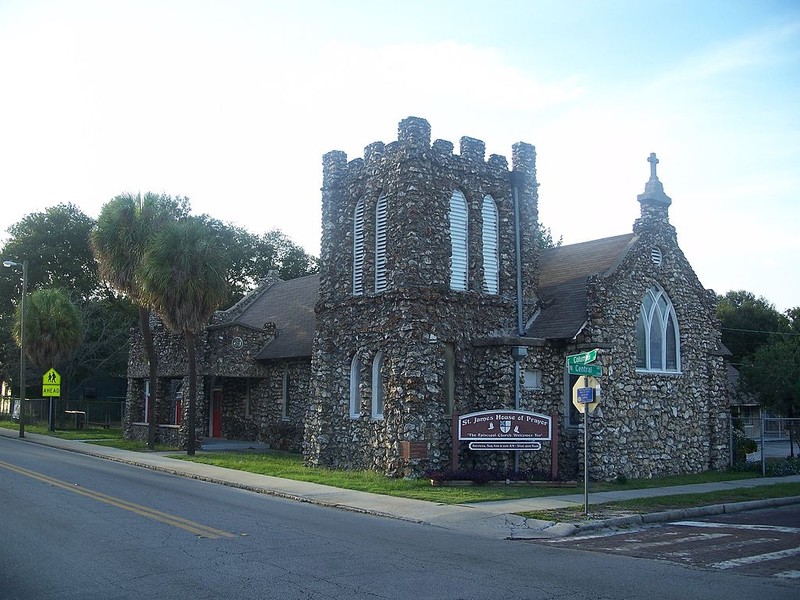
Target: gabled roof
point(290, 306)
point(562, 283)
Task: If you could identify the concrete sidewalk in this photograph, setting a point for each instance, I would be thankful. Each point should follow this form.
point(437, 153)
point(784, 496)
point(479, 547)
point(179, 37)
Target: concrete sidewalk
point(492, 519)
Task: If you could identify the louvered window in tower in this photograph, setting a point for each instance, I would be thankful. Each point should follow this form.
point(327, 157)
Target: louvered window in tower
point(491, 253)
point(458, 241)
point(380, 245)
point(358, 248)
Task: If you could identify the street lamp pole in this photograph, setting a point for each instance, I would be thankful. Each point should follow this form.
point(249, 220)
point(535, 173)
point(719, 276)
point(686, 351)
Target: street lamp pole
point(24, 265)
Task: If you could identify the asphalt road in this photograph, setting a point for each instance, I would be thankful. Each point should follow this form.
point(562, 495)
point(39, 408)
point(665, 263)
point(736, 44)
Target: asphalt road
point(75, 526)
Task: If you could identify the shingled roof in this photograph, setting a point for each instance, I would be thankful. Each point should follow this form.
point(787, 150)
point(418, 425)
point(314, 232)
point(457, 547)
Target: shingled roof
point(290, 306)
point(562, 283)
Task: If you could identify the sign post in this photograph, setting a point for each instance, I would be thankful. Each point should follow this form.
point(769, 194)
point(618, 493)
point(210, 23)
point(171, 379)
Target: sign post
point(51, 386)
point(584, 399)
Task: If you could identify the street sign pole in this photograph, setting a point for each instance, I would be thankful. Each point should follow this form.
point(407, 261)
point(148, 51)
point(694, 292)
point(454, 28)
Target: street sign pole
point(586, 456)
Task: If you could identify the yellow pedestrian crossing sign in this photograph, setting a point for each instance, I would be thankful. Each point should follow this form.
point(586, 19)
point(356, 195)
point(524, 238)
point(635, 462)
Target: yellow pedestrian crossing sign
point(51, 383)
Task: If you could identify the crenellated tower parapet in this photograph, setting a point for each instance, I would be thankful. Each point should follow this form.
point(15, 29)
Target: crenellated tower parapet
point(415, 179)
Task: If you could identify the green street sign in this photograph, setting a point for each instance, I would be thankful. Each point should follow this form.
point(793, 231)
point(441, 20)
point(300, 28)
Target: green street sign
point(582, 358)
point(590, 370)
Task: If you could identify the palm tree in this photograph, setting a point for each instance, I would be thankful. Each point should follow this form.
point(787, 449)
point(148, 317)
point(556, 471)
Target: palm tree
point(183, 277)
point(125, 226)
point(53, 327)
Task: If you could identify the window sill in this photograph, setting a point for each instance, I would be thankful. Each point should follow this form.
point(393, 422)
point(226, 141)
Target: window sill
point(646, 372)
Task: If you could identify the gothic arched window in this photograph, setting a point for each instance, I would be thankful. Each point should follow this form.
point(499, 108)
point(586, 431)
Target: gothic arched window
point(358, 248)
point(380, 244)
point(491, 251)
point(458, 241)
point(657, 336)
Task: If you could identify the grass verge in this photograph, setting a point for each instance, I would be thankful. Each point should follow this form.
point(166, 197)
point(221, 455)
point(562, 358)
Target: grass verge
point(88, 433)
point(638, 506)
point(290, 466)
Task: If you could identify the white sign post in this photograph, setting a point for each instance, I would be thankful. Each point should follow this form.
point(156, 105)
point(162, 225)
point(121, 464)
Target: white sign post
point(585, 399)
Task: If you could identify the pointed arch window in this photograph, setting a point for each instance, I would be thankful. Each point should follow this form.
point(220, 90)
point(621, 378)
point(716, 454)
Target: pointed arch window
point(458, 241)
point(358, 248)
point(657, 334)
point(377, 386)
point(491, 251)
point(355, 388)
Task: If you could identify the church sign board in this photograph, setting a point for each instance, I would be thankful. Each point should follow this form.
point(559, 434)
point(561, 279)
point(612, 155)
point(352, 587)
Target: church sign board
point(504, 430)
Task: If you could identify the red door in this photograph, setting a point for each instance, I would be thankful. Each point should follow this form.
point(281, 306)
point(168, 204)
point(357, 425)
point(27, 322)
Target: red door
point(216, 414)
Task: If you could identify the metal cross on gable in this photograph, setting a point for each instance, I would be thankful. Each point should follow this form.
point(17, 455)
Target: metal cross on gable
point(653, 162)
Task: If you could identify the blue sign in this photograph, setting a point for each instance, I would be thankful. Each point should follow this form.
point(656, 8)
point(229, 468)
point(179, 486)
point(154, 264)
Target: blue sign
point(585, 395)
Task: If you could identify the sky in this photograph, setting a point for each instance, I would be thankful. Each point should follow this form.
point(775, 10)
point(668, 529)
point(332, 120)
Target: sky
point(232, 103)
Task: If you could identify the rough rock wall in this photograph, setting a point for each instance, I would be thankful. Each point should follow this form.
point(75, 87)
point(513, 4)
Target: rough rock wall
point(412, 320)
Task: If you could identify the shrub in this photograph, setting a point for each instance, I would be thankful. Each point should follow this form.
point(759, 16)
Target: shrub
point(483, 476)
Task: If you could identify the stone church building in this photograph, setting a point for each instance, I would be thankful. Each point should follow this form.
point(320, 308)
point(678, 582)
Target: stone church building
point(434, 299)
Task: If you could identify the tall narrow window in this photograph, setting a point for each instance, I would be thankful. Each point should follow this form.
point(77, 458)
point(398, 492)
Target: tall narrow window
point(449, 378)
point(358, 248)
point(458, 241)
point(147, 401)
point(355, 388)
point(491, 251)
point(380, 244)
point(285, 396)
point(657, 335)
point(377, 386)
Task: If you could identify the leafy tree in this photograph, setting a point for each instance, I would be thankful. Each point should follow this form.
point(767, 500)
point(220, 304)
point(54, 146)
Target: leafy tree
point(183, 277)
point(125, 227)
point(544, 237)
point(104, 349)
point(55, 244)
point(773, 375)
point(279, 253)
point(747, 323)
point(253, 256)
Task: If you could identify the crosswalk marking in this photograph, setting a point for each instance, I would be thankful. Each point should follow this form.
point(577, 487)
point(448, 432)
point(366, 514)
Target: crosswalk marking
point(788, 575)
point(684, 540)
point(775, 528)
point(757, 558)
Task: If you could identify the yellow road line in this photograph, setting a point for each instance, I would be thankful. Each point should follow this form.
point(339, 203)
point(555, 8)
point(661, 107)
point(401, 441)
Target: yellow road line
point(151, 513)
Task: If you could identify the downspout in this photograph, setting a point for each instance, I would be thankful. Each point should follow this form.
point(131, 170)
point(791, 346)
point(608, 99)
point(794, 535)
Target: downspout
point(518, 352)
point(516, 181)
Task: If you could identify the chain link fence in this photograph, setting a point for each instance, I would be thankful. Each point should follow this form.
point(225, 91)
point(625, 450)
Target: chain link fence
point(60, 413)
point(764, 437)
